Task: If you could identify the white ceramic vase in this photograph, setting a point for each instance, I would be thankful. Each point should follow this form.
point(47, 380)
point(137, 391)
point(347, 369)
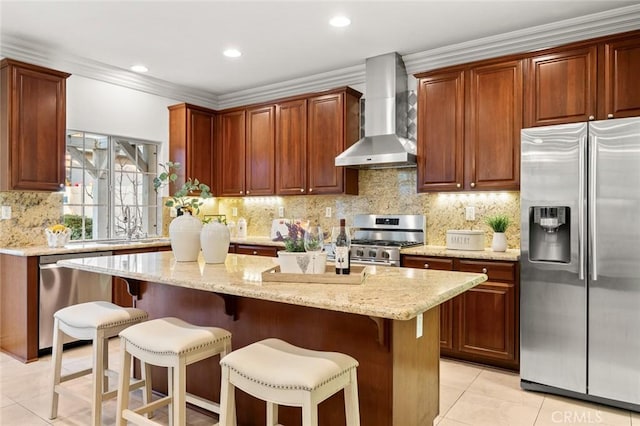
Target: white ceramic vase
point(499, 242)
point(302, 262)
point(184, 232)
point(214, 240)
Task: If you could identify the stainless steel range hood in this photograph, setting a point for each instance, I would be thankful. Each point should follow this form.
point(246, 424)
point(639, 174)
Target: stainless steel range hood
point(385, 144)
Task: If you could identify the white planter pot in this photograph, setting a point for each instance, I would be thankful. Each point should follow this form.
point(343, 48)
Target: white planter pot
point(499, 242)
point(57, 239)
point(302, 263)
point(214, 240)
point(184, 232)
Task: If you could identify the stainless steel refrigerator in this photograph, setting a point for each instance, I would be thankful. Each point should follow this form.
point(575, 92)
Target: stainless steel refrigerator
point(580, 261)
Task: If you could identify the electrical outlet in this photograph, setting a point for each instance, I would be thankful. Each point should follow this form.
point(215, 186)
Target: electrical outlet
point(6, 212)
point(470, 213)
point(234, 211)
point(280, 211)
point(173, 212)
point(327, 212)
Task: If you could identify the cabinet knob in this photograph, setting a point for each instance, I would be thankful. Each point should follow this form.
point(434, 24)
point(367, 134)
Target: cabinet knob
point(609, 115)
point(248, 192)
point(301, 189)
point(473, 184)
point(310, 189)
point(241, 192)
point(426, 266)
point(458, 185)
point(484, 270)
point(62, 185)
point(591, 117)
point(255, 252)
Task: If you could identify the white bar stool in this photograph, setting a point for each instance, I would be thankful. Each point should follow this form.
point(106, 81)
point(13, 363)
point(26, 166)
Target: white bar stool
point(173, 343)
point(97, 321)
point(282, 374)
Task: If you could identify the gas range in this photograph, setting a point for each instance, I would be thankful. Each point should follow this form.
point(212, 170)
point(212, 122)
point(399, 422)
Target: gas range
point(378, 238)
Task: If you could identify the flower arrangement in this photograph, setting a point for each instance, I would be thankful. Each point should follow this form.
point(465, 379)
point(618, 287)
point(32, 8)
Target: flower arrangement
point(57, 235)
point(499, 222)
point(294, 240)
point(185, 198)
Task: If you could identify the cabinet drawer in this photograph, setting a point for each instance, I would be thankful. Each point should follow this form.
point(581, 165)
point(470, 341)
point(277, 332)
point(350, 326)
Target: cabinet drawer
point(423, 262)
point(496, 271)
point(257, 250)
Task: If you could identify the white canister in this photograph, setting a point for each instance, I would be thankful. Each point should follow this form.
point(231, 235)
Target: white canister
point(241, 228)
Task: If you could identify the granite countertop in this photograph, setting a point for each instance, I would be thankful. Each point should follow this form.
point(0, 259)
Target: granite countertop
point(118, 245)
point(512, 255)
point(388, 292)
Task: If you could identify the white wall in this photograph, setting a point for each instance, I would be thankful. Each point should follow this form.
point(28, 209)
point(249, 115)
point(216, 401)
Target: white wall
point(100, 107)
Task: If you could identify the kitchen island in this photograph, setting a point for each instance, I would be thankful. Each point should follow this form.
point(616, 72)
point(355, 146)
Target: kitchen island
point(389, 323)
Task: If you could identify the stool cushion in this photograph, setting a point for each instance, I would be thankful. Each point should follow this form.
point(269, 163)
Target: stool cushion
point(172, 336)
point(99, 315)
point(278, 364)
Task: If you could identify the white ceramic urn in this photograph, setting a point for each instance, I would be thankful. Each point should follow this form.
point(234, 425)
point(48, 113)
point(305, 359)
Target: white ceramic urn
point(214, 240)
point(184, 232)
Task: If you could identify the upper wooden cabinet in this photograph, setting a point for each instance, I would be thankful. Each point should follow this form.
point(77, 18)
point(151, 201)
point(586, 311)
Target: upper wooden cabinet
point(469, 122)
point(291, 147)
point(621, 78)
point(333, 126)
point(32, 127)
point(561, 87)
point(191, 143)
point(260, 151)
point(231, 145)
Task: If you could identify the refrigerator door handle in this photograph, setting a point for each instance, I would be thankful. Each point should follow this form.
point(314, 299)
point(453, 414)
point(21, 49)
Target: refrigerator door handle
point(581, 207)
point(593, 245)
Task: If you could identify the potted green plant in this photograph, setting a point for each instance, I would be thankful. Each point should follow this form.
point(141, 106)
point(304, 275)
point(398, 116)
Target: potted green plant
point(499, 224)
point(184, 230)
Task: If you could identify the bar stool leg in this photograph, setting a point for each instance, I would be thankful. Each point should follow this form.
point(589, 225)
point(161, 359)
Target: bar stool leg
point(272, 414)
point(105, 366)
point(123, 387)
point(145, 370)
point(98, 378)
point(179, 393)
point(309, 412)
point(57, 367)
point(227, 399)
point(351, 400)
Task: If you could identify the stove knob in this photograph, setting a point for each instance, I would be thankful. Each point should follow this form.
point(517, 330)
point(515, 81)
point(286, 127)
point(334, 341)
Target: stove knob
point(385, 254)
point(360, 253)
point(372, 253)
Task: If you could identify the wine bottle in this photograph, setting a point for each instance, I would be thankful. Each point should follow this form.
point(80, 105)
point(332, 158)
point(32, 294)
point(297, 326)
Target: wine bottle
point(342, 250)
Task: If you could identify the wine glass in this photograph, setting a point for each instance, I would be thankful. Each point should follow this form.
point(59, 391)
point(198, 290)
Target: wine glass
point(313, 242)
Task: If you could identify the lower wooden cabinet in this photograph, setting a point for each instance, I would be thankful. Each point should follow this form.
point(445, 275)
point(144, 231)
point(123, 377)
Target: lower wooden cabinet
point(482, 324)
point(256, 250)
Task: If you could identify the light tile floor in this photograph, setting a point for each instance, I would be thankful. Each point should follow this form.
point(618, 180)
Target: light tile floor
point(469, 395)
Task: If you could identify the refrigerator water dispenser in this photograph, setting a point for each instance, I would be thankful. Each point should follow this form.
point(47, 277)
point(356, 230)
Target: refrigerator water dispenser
point(549, 234)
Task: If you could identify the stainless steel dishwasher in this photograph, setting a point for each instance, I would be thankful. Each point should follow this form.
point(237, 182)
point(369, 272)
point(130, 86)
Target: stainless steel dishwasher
point(61, 287)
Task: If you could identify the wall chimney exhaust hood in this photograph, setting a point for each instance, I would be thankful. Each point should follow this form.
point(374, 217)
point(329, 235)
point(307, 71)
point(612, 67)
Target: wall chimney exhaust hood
point(385, 144)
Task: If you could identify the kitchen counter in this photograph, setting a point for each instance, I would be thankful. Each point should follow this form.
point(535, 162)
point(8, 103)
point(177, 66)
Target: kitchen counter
point(512, 255)
point(96, 246)
point(394, 293)
point(390, 324)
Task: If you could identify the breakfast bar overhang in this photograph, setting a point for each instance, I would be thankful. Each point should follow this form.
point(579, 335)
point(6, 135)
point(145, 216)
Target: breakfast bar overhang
point(390, 323)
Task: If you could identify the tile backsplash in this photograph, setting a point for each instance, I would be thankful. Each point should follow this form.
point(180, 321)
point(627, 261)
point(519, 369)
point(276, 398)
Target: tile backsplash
point(388, 191)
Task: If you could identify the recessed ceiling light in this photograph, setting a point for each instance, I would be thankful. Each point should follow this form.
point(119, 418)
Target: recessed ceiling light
point(139, 68)
point(232, 53)
point(340, 21)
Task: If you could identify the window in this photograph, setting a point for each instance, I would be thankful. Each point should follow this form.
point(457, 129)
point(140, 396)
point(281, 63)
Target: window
point(109, 187)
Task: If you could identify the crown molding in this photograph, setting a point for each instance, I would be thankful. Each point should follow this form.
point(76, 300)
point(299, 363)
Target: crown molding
point(527, 40)
point(521, 41)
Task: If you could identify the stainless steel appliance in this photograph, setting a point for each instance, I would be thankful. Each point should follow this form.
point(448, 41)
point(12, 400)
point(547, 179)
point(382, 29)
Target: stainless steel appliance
point(61, 287)
point(580, 262)
point(378, 239)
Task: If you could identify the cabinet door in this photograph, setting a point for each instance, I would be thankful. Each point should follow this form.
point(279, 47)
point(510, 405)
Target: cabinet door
point(200, 143)
point(231, 145)
point(621, 79)
point(441, 131)
point(34, 113)
point(561, 87)
point(494, 114)
point(326, 139)
point(487, 314)
point(446, 309)
point(291, 147)
point(260, 151)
